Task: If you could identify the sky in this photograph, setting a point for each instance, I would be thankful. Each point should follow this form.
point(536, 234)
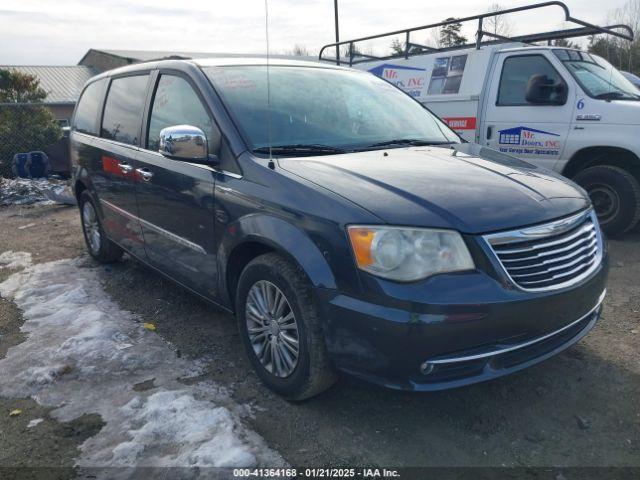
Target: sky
point(46, 32)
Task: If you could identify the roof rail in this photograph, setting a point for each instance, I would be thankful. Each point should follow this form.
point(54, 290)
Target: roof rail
point(411, 49)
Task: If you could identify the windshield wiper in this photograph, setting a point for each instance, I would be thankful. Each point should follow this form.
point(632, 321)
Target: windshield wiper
point(616, 96)
point(301, 149)
point(412, 142)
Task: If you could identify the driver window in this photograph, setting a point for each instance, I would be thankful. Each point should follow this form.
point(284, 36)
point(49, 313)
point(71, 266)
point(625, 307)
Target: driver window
point(176, 103)
point(516, 73)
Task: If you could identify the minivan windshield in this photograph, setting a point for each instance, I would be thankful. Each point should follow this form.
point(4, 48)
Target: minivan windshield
point(323, 110)
point(597, 77)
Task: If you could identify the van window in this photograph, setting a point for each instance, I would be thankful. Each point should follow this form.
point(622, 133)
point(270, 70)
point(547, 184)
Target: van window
point(176, 103)
point(85, 119)
point(123, 109)
point(516, 72)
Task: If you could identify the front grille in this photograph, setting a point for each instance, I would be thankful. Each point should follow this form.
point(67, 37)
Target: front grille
point(550, 256)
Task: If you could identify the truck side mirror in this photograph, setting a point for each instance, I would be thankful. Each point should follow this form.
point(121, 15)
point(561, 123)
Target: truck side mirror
point(542, 91)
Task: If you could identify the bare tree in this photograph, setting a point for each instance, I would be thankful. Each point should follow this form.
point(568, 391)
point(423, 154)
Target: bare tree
point(300, 51)
point(628, 52)
point(397, 47)
point(433, 39)
point(623, 54)
point(499, 24)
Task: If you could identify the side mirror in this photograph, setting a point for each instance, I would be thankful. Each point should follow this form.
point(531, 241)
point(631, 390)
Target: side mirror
point(185, 142)
point(542, 91)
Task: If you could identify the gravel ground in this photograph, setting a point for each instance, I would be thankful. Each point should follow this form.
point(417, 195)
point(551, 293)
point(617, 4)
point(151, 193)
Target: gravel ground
point(578, 409)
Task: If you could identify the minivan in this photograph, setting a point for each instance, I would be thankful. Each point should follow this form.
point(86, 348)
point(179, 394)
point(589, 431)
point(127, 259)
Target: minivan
point(346, 226)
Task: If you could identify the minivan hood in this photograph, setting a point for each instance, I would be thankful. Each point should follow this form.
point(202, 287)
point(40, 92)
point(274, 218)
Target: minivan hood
point(468, 188)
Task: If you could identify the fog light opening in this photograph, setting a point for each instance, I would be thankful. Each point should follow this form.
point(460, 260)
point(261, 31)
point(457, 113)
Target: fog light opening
point(426, 368)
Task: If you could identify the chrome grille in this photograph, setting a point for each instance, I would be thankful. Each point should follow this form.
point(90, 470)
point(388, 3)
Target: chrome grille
point(550, 256)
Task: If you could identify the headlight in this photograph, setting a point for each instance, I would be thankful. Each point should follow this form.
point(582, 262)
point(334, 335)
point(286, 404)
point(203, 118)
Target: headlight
point(408, 254)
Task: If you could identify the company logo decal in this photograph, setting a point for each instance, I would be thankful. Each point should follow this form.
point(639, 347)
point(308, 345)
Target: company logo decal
point(409, 79)
point(529, 141)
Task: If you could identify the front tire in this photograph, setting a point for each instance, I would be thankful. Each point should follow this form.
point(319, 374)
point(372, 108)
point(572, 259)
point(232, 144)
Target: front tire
point(280, 328)
point(99, 246)
point(615, 194)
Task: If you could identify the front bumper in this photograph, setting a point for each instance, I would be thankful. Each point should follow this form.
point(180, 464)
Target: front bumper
point(473, 329)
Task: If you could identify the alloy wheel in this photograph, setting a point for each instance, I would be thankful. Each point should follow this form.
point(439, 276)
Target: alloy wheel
point(272, 328)
point(91, 227)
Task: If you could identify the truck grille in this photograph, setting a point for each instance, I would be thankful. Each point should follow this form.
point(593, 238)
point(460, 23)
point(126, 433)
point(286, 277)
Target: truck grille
point(550, 256)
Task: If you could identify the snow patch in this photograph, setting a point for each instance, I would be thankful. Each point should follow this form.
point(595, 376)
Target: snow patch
point(83, 354)
point(11, 259)
point(35, 422)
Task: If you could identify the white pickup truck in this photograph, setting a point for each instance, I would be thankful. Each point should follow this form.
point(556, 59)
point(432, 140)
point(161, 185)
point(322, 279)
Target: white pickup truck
point(561, 108)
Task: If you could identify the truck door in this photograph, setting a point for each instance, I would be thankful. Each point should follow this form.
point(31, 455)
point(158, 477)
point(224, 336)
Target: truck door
point(528, 107)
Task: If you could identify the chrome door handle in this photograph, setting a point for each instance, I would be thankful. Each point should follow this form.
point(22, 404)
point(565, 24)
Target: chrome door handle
point(145, 174)
point(125, 168)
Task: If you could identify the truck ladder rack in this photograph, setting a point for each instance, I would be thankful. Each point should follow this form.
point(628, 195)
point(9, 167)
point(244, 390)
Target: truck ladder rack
point(410, 49)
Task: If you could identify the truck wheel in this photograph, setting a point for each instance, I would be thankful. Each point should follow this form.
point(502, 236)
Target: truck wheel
point(615, 194)
point(280, 328)
point(98, 245)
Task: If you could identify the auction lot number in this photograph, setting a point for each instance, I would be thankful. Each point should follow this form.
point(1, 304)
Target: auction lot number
point(315, 473)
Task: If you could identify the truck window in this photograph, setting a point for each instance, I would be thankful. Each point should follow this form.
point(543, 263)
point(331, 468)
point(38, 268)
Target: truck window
point(597, 77)
point(516, 73)
point(123, 109)
point(176, 103)
point(85, 119)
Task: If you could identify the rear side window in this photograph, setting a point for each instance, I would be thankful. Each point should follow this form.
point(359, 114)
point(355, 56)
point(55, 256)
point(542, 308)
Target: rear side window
point(176, 103)
point(516, 72)
point(85, 119)
point(123, 109)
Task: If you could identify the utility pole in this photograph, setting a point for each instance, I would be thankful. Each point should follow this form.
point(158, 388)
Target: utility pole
point(335, 11)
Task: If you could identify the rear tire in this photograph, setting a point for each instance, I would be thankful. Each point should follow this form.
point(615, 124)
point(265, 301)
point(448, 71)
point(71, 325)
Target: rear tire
point(310, 372)
point(98, 245)
point(615, 194)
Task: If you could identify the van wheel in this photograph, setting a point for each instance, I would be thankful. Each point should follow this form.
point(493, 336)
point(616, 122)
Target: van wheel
point(98, 245)
point(280, 328)
point(615, 194)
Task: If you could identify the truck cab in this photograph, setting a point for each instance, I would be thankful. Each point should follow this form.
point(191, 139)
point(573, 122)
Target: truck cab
point(572, 112)
point(560, 108)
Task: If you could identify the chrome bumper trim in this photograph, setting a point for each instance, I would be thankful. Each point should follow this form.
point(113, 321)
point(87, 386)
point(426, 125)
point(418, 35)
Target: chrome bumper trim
point(528, 343)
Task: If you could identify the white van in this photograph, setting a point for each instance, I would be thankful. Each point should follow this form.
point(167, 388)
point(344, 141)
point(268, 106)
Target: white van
point(561, 108)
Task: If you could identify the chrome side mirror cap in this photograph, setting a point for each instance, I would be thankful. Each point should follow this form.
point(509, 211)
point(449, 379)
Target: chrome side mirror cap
point(184, 142)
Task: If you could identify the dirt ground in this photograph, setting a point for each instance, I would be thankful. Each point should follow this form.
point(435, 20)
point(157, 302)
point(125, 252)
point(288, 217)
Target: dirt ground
point(580, 408)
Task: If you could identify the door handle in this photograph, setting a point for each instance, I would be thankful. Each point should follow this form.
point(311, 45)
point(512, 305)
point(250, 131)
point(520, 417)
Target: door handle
point(145, 173)
point(489, 133)
point(125, 167)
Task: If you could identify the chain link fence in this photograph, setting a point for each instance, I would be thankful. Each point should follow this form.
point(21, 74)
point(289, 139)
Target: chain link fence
point(25, 128)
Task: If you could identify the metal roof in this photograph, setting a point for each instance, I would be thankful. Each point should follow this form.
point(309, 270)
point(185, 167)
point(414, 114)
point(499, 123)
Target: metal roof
point(150, 55)
point(63, 84)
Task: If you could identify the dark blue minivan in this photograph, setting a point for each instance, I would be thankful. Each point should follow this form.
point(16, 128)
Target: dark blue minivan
point(347, 227)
